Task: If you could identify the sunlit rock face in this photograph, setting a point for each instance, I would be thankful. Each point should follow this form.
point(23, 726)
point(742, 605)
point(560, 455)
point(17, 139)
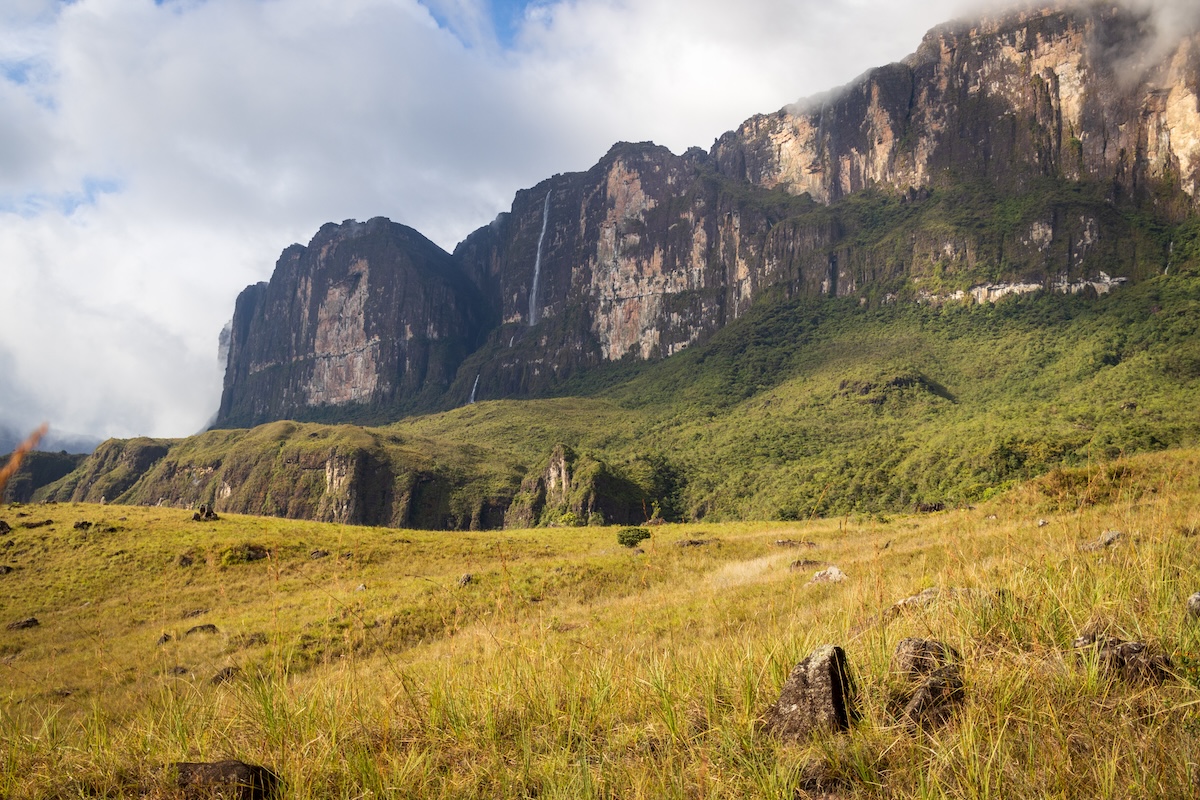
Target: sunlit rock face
point(1004, 157)
point(368, 314)
point(1085, 92)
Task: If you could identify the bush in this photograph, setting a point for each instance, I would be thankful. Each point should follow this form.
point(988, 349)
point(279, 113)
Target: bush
point(630, 537)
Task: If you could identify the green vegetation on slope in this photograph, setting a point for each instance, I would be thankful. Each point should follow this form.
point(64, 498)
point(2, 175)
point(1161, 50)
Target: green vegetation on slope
point(567, 665)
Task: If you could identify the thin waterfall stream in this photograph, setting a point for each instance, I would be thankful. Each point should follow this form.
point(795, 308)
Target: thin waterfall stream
point(537, 266)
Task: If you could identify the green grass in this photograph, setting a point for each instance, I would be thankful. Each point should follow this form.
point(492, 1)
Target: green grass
point(568, 666)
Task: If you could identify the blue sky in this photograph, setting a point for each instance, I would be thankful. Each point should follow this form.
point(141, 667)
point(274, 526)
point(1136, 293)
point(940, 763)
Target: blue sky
point(155, 159)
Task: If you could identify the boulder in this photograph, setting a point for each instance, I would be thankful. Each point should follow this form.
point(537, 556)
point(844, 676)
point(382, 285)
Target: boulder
point(234, 779)
point(818, 696)
point(828, 575)
point(935, 697)
point(315, 554)
point(914, 658)
point(207, 628)
point(1193, 606)
point(1133, 662)
point(4, 527)
point(22, 624)
point(1107, 539)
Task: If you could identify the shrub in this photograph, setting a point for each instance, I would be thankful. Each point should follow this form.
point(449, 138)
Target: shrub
point(630, 537)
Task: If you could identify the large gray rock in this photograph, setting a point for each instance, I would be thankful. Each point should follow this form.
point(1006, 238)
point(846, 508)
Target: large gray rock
point(817, 696)
point(232, 779)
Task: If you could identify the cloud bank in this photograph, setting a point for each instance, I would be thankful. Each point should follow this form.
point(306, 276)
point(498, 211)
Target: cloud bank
point(156, 157)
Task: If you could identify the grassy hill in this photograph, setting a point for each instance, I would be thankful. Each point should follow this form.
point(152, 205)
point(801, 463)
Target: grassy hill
point(568, 666)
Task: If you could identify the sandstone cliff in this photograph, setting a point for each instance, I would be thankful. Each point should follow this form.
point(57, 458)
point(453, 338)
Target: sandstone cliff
point(1044, 149)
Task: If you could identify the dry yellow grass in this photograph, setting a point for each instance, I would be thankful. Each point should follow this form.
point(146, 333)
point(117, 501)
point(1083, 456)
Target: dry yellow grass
point(571, 667)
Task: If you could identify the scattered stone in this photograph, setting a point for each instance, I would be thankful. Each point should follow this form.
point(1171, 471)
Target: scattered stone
point(637, 551)
point(208, 628)
point(184, 560)
point(465, 580)
point(915, 657)
point(166, 637)
point(828, 575)
point(41, 524)
point(178, 670)
point(4, 527)
point(991, 516)
point(694, 542)
point(362, 587)
point(1193, 605)
point(249, 640)
point(205, 514)
point(804, 563)
point(928, 508)
point(234, 779)
point(22, 624)
point(793, 543)
point(195, 612)
point(934, 700)
point(347, 556)
point(1107, 539)
point(1043, 523)
point(82, 525)
point(5, 569)
point(315, 554)
point(1133, 662)
point(225, 675)
point(818, 695)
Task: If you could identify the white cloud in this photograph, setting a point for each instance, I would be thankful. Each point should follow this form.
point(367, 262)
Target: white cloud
point(155, 159)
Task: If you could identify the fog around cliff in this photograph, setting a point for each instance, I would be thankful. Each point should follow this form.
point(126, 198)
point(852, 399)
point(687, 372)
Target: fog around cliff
point(155, 157)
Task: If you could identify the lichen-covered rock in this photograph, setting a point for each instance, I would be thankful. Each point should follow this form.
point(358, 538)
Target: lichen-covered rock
point(1106, 539)
point(828, 575)
point(817, 696)
point(236, 780)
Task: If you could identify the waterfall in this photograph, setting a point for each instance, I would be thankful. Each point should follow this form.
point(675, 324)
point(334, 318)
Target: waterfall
point(473, 388)
point(537, 266)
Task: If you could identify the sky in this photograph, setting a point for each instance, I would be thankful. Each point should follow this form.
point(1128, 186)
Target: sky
point(157, 156)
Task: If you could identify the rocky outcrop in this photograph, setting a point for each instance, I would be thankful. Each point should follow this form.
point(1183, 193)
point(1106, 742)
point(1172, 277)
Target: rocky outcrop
point(369, 315)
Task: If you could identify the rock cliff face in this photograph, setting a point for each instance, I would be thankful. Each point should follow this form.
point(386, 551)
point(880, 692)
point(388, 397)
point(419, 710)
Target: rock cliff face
point(369, 314)
point(1023, 151)
point(1077, 93)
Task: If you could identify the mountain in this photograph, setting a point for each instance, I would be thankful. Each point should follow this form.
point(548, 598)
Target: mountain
point(804, 320)
point(1018, 147)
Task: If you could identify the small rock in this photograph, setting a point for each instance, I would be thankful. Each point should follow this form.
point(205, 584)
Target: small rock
point(225, 675)
point(1133, 662)
point(209, 628)
point(184, 560)
point(1043, 523)
point(694, 542)
point(637, 551)
point(166, 637)
point(315, 554)
point(934, 700)
point(804, 563)
point(991, 516)
point(195, 612)
point(22, 624)
point(178, 670)
point(82, 525)
point(828, 575)
point(234, 779)
point(362, 587)
point(915, 657)
point(1107, 539)
point(1193, 605)
point(465, 580)
point(793, 543)
point(41, 524)
point(5, 569)
point(818, 695)
point(4, 527)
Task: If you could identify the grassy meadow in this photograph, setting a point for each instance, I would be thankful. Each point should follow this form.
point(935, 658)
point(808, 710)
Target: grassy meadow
point(569, 666)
